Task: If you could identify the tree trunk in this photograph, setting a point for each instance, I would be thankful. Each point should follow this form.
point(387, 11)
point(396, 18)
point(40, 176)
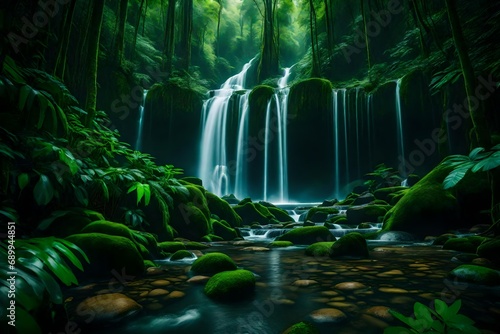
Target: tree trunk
point(478, 118)
point(367, 43)
point(269, 57)
point(219, 14)
point(169, 36)
point(185, 35)
point(60, 66)
point(315, 72)
point(120, 36)
point(93, 60)
point(137, 24)
point(330, 39)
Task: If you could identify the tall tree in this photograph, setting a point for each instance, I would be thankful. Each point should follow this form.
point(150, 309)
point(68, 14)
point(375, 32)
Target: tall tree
point(186, 29)
point(330, 37)
point(137, 25)
point(120, 35)
point(315, 64)
point(269, 62)
point(93, 59)
point(169, 35)
point(367, 40)
point(219, 14)
point(478, 118)
point(62, 53)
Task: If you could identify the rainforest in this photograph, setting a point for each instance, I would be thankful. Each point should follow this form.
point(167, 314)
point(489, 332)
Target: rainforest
point(249, 166)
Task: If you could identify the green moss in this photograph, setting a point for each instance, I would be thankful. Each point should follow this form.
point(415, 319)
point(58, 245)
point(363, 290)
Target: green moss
point(107, 253)
point(319, 249)
point(442, 239)
point(212, 263)
point(281, 215)
point(107, 227)
point(192, 223)
point(224, 231)
point(347, 201)
point(302, 328)
point(384, 193)
point(319, 214)
point(467, 245)
point(181, 254)
point(426, 208)
point(309, 95)
point(490, 249)
point(352, 244)
point(258, 99)
point(365, 214)
point(307, 235)
point(171, 246)
point(253, 212)
point(78, 217)
point(231, 285)
point(476, 274)
point(337, 220)
point(195, 245)
point(280, 244)
point(193, 180)
point(149, 264)
point(223, 210)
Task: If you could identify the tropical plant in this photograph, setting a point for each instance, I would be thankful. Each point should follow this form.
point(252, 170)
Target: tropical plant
point(382, 176)
point(41, 265)
point(441, 319)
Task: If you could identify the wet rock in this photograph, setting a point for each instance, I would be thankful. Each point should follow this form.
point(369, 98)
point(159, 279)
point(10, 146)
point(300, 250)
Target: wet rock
point(390, 273)
point(307, 235)
point(396, 236)
point(230, 285)
point(467, 245)
point(304, 282)
point(365, 214)
point(212, 263)
point(319, 249)
point(199, 279)
point(158, 292)
point(476, 274)
point(381, 312)
point(176, 295)
point(392, 290)
point(256, 249)
point(442, 239)
point(349, 307)
point(352, 244)
point(364, 199)
point(302, 328)
point(327, 315)
point(242, 243)
point(160, 282)
point(106, 308)
point(481, 261)
point(348, 286)
point(280, 244)
point(490, 250)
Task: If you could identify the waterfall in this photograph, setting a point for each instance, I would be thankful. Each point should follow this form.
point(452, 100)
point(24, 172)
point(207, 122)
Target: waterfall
point(399, 119)
point(266, 147)
point(240, 188)
point(358, 157)
point(336, 142)
point(138, 141)
point(369, 122)
point(346, 140)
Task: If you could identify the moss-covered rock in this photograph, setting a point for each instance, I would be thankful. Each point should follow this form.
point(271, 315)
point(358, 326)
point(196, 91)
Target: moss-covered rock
point(171, 246)
point(320, 214)
point(223, 210)
point(181, 254)
point(107, 227)
point(476, 274)
point(280, 244)
point(339, 219)
point(467, 245)
point(281, 215)
point(319, 249)
point(211, 238)
point(254, 212)
point(365, 214)
point(195, 245)
point(193, 180)
point(231, 199)
point(78, 217)
point(107, 253)
point(212, 263)
point(259, 96)
point(352, 244)
point(224, 231)
point(302, 328)
point(149, 264)
point(193, 223)
point(442, 239)
point(307, 235)
point(364, 199)
point(309, 94)
point(490, 249)
point(384, 194)
point(231, 285)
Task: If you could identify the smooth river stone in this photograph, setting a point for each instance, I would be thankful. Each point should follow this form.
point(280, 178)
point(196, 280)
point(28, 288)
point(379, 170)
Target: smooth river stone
point(151, 271)
point(381, 312)
point(349, 286)
point(198, 279)
point(256, 249)
point(242, 243)
point(157, 292)
point(330, 293)
point(337, 299)
point(327, 315)
point(393, 290)
point(304, 282)
point(283, 302)
point(160, 282)
point(349, 307)
point(390, 273)
point(176, 294)
point(107, 308)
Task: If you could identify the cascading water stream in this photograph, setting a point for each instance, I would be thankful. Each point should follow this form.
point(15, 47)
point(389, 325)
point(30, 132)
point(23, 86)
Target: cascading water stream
point(346, 140)
point(266, 147)
point(240, 187)
point(138, 142)
point(399, 119)
point(336, 142)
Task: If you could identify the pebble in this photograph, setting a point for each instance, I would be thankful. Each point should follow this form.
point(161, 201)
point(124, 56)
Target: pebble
point(160, 282)
point(393, 290)
point(349, 307)
point(157, 292)
point(381, 312)
point(330, 293)
point(256, 249)
point(328, 315)
point(304, 282)
point(198, 279)
point(176, 294)
point(390, 273)
point(350, 286)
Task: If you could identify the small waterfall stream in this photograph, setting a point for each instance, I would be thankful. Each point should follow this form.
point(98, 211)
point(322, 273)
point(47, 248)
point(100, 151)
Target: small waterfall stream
point(140, 125)
point(399, 118)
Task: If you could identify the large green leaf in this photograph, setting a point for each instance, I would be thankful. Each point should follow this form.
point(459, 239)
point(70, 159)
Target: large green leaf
point(489, 163)
point(52, 287)
point(43, 191)
point(456, 175)
point(25, 323)
point(22, 180)
point(423, 316)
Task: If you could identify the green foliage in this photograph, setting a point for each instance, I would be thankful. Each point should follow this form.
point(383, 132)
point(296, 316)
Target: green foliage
point(382, 176)
point(441, 319)
point(41, 265)
point(477, 160)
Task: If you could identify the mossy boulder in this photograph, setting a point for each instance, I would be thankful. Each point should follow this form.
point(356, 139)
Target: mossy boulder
point(231, 199)
point(351, 245)
point(319, 249)
point(490, 249)
point(476, 274)
point(78, 217)
point(309, 94)
point(466, 245)
point(171, 246)
point(193, 224)
point(181, 254)
point(212, 263)
point(224, 230)
point(365, 214)
point(281, 215)
point(307, 235)
point(254, 212)
point(302, 328)
point(195, 245)
point(223, 210)
point(193, 180)
point(339, 219)
point(107, 227)
point(386, 194)
point(231, 285)
point(259, 97)
point(442, 239)
point(149, 264)
point(107, 253)
point(211, 238)
point(320, 214)
point(280, 244)
point(364, 199)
